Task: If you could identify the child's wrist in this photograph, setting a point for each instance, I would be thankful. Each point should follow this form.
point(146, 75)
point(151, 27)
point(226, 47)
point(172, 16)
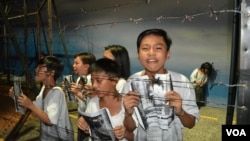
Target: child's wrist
point(182, 113)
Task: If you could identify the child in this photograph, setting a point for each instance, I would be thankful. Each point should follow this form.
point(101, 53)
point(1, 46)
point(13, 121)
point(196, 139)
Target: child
point(119, 54)
point(199, 78)
point(82, 63)
point(50, 105)
point(166, 101)
point(104, 77)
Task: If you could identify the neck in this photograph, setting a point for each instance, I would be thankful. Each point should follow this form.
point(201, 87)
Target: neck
point(49, 86)
point(110, 95)
point(152, 74)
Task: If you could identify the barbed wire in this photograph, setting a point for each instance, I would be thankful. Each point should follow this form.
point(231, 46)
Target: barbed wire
point(184, 18)
point(227, 85)
point(158, 98)
point(158, 81)
point(187, 17)
point(62, 129)
point(68, 131)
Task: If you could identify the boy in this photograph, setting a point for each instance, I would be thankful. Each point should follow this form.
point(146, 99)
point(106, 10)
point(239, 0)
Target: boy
point(166, 100)
point(104, 78)
point(82, 63)
point(50, 105)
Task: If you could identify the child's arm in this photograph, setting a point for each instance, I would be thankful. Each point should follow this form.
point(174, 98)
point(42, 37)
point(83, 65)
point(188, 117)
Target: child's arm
point(129, 135)
point(131, 100)
point(24, 101)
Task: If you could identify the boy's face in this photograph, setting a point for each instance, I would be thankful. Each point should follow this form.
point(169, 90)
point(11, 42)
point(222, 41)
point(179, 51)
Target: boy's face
point(80, 68)
point(102, 84)
point(41, 73)
point(153, 53)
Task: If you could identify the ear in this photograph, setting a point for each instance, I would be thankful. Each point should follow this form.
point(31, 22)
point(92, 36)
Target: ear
point(86, 65)
point(115, 80)
point(168, 55)
point(52, 73)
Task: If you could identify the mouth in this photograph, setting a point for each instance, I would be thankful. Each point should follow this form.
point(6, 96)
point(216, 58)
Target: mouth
point(152, 61)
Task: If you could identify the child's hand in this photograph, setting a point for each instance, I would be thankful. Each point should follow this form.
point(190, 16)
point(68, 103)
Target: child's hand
point(76, 88)
point(89, 91)
point(83, 125)
point(174, 100)
point(11, 92)
point(119, 132)
point(131, 100)
point(24, 101)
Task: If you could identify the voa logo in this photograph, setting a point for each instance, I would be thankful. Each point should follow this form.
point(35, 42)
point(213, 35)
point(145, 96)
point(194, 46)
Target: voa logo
point(236, 132)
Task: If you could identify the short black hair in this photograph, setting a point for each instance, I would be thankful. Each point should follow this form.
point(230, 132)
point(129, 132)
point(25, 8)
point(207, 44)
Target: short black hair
point(52, 63)
point(110, 67)
point(86, 58)
point(155, 31)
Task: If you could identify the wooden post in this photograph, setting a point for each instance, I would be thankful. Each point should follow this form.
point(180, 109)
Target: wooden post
point(50, 29)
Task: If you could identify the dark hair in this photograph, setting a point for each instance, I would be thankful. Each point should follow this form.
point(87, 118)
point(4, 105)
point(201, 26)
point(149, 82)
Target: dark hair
point(87, 58)
point(158, 32)
point(52, 63)
point(207, 66)
point(121, 56)
point(110, 67)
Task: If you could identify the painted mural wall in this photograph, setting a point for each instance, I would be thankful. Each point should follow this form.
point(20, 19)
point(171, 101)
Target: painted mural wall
point(201, 32)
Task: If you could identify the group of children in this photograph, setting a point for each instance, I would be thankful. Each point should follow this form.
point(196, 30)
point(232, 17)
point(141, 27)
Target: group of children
point(154, 104)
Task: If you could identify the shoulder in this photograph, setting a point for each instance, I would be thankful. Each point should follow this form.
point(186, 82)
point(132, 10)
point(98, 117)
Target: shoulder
point(120, 84)
point(89, 79)
point(93, 105)
point(57, 88)
point(58, 91)
point(135, 75)
point(121, 81)
point(177, 76)
point(196, 70)
point(94, 99)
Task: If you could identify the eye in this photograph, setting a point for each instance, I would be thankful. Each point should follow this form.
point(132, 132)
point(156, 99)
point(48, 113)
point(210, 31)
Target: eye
point(39, 67)
point(159, 47)
point(96, 80)
point(144, 48)
point(99, 80)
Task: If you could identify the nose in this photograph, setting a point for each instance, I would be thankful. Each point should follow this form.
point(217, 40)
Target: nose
point(36, 71)
point(151, 52)
point(94, 84)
